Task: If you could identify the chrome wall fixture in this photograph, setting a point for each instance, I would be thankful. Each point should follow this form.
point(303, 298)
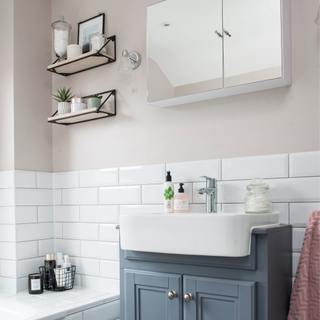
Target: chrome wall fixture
point(129, 61)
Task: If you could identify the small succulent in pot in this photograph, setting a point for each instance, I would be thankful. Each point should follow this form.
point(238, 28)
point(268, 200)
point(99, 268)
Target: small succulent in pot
point(63, 96)
point(94, 101)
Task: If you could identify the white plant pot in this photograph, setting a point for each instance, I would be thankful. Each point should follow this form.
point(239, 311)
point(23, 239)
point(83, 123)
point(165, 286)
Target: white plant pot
point(63, 107)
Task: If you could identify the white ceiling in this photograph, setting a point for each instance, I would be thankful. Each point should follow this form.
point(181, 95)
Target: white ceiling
point(189, 51)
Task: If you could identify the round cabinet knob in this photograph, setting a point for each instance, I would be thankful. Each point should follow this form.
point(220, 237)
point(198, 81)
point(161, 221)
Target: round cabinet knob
point(172, 294)
point(188, 297)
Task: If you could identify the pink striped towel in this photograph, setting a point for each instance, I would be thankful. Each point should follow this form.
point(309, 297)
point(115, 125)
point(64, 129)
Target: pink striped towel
point(305, 297)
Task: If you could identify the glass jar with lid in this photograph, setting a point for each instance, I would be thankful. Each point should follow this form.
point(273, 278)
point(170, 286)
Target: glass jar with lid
point(258, 198)
point(61, 32)
point(97, 40)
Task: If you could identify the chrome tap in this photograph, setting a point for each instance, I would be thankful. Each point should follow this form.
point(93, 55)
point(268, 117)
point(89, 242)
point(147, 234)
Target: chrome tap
point(211, 192)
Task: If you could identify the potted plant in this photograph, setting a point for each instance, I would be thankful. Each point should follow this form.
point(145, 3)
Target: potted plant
point(63, 96)
point(94, 101)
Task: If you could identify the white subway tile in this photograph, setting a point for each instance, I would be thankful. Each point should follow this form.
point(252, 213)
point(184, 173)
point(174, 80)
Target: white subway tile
point(26, 214)
point(108, 232)
point(62, 180)
point(57, 230)
point(45, 214)
point(297, 238)
point(6, 197)
point(8, 284)
point(27, 250)
point(188, 190)
point(193, 170)
point(142, 174)
point(99, 214)
point(127, 209)
point(25, 179)
point(7, 250)
point(32, 197)
point(99, 178)
point(7, 233)
point(45, 180)
point(86, 266)
point(7, 215)
point(22, 284)
point(7, 268)
point(197, 208)
point(109, 269)
point(46, 246)
point(295, 261)
point(67, 213)
point(78, 283)
point(25, 267)
point(100, 250)
point(299, 213)
point(70, 247)
point(87, 231)
point(271, 166)
point(38, 231)
point(232, 207)
point(57, 197)
point(283, 209)
point(152, 194)
point(6, 179)
point(304, 164)
point(294, 189)
point(198, 198)
point(120, 195)
point(281, 190)
point(80, 196)
point(99, 283)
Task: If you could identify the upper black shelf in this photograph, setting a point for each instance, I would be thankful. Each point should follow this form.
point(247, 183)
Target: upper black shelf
point(85, 61)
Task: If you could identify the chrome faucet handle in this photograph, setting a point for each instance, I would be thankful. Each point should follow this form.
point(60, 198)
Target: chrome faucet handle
point(211, 182)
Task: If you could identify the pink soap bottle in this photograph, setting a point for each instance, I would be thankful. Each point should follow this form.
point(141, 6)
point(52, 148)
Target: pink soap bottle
point(181, 201)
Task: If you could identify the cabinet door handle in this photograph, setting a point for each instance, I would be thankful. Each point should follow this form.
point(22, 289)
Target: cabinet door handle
point(172, 294)
point(227, 33)
point(218, 33)
point(188, 297)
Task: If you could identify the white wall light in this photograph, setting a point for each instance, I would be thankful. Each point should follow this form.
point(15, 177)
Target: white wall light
point(129, 61)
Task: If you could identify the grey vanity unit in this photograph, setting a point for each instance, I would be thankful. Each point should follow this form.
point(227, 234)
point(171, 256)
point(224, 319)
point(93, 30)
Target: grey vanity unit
point(157, 286)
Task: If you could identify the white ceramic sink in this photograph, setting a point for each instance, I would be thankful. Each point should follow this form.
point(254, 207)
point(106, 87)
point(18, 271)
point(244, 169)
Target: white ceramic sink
point(219, 234)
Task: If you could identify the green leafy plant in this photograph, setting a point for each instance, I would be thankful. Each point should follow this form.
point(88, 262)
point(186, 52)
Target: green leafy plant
point(63, 95)
point(95, 96)
point(168, 193)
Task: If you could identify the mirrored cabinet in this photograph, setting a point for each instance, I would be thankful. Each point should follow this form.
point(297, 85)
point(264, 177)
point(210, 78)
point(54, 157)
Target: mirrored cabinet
point(205, 49)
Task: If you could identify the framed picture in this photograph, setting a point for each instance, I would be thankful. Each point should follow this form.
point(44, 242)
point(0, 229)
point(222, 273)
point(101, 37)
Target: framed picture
point(87, 27)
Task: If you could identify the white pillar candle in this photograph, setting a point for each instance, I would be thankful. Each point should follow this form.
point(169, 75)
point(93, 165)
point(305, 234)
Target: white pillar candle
point(73, 50)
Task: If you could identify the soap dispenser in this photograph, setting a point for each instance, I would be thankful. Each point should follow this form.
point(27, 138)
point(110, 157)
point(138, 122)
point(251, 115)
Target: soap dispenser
point(181, 201)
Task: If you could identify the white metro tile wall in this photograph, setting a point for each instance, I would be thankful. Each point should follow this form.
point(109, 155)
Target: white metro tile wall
point(120, 195)
point(274, 166)
point(107, 213)
point(193, 170)
point(25, 179)
point(304, 164)
point(299, 213)
point(6, 179)
point(7, 215)
point(44, 180)
point(142, 174)
point(66, 180)
point(152, 194)
point(99, 178)
point(67, 213)
point(80, 196)
point(6, 197)
point(31, 197)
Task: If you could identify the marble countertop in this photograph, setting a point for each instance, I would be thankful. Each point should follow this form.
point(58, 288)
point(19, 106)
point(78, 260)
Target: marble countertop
point(51, 305)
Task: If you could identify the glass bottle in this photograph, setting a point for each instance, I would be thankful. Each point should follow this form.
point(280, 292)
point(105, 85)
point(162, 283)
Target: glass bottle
point(49, 277)
point(97, 40)
point(61, 32)
point(258, 198)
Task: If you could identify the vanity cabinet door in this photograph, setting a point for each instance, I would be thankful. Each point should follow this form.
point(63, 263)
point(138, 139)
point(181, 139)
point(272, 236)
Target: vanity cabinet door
point(218, 299)
point(146, 296)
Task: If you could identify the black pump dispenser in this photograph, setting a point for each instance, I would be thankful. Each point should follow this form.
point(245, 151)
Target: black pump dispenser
point(168, 177)
point(181, 190)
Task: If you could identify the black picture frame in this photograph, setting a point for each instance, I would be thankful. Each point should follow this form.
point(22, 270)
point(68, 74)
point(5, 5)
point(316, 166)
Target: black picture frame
point(87, 27)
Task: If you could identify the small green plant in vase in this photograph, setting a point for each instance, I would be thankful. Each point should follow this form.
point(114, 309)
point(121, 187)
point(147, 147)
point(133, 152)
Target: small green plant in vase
point(63, 96)
point(94, 101)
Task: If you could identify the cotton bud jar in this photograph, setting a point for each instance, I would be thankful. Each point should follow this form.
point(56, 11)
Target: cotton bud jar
point(258, 198)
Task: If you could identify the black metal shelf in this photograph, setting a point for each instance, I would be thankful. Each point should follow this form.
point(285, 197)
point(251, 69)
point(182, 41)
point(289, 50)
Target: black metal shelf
point(86, 61)
point(87, 114)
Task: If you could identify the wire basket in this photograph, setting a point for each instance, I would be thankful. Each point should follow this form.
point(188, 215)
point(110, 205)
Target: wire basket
point(58, 279)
